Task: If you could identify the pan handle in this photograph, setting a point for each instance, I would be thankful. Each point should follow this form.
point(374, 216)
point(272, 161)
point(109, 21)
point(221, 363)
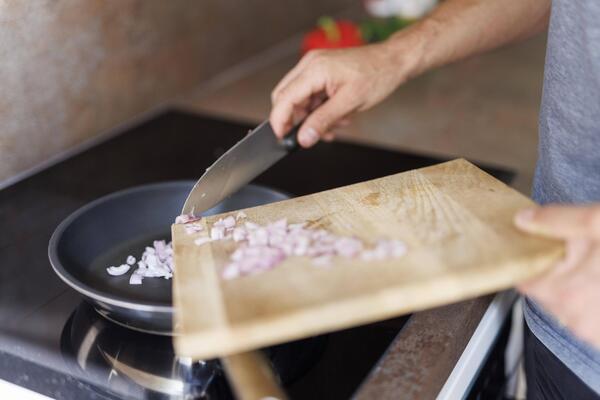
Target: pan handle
point(251, 377)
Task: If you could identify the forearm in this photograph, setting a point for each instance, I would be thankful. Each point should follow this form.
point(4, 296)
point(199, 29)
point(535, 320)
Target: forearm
point(461, 28)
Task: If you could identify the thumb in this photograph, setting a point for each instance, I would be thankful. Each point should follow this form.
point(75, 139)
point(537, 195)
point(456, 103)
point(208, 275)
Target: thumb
point(561, 221)
point(324, 117)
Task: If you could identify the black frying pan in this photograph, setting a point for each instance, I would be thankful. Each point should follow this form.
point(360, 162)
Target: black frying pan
point(105, 231)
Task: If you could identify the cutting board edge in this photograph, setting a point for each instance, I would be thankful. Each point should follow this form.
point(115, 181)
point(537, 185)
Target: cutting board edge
point(457, 161)
point(179, 301)
point(223, 342)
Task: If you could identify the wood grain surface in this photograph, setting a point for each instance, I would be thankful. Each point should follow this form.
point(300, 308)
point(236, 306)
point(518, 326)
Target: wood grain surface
point(251, 377)
point(455, 219)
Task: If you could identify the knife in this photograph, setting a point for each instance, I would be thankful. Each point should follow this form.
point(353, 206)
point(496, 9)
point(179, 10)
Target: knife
point(249, 373)
point(250, 157)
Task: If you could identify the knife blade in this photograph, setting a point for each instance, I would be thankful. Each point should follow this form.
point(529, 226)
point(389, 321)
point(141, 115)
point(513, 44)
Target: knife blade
point(247, 159)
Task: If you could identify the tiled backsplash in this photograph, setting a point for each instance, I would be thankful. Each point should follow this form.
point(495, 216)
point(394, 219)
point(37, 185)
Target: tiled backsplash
point(71, 69)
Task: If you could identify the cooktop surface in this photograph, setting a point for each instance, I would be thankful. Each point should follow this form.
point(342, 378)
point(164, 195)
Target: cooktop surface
point(54, 343)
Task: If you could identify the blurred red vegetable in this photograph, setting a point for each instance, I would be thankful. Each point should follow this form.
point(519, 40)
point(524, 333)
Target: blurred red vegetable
point(331, 34)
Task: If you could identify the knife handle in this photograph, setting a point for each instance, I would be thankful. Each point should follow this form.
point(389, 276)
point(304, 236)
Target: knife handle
point(290, 141)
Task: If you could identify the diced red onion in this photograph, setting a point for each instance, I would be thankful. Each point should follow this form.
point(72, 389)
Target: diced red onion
point(193, 228)
point(251, 226)
point(229, 222)
point(135, 279)
point(156, 262)
point(260, 248)
point(185, 218)
point(118, 271)
point(191, 223)
point(238, 234)
point(217, 232)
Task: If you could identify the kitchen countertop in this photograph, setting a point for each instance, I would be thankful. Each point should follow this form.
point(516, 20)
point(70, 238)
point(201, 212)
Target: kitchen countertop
point(483, 109)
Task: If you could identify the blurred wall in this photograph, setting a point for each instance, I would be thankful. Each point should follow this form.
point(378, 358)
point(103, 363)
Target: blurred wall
point(70, 69)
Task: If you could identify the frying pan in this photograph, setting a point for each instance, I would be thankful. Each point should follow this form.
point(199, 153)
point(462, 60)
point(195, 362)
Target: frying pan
point(107, 230)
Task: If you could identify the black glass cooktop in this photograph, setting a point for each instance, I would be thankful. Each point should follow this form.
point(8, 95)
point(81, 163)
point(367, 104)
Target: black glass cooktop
point(54, 343)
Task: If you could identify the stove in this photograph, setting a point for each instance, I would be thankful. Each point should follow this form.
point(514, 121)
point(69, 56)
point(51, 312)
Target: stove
point(52, 342)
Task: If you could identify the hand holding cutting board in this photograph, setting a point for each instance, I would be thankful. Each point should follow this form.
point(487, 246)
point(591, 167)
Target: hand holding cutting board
point(571, 286)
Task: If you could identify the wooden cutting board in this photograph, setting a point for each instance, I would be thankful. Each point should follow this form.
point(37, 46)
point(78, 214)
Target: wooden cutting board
point(456, 220)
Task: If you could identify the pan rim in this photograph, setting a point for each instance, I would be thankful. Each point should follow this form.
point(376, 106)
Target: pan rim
point(89, 291)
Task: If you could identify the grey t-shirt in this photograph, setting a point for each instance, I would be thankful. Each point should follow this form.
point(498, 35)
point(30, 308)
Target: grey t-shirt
point(568, 169)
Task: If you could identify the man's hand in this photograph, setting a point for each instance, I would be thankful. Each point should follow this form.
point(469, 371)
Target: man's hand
point(334, 83)
point(571, 290)
point(328, 85)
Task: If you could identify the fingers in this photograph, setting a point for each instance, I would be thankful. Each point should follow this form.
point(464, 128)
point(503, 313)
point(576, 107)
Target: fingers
point(299, 111)
point(577, 250)
point(292, 74)
point(316, 100)
point(336, 129)
point(561, 221)
point(569, 294)
point(321, 121)
point(342, 123)
point(328, 137)
point(295, 95)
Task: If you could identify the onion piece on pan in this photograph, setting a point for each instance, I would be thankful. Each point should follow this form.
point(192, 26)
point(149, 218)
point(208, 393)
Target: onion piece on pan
point(156, 262)
point(135, 279)
point(117, 271)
